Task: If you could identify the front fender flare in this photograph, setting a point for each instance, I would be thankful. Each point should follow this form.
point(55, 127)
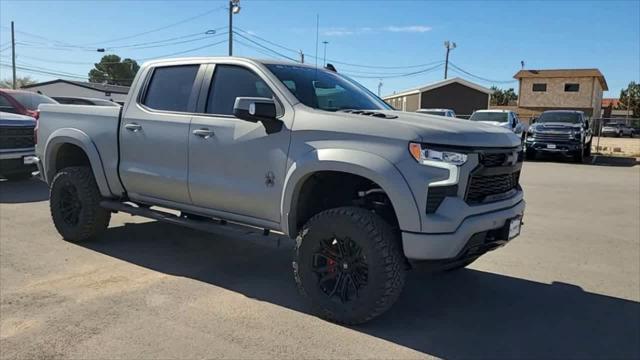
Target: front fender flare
point(84, 142)
point(368, 165)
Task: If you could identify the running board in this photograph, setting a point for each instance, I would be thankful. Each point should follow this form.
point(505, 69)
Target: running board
point(221, 227)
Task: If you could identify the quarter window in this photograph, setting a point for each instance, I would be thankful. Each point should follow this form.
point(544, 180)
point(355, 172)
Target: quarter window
point(571, 87)
point(540, 87)
point(170, 88)
point(230, 82)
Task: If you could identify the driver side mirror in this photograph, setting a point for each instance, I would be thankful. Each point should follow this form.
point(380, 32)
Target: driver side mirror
point(257, 109)
point(533, 120)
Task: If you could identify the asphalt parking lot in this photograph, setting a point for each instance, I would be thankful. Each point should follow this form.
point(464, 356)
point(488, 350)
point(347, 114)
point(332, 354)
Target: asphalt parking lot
point(568, 287)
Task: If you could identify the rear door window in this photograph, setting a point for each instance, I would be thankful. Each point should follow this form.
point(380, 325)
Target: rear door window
point(170, 88)
point(230, 82)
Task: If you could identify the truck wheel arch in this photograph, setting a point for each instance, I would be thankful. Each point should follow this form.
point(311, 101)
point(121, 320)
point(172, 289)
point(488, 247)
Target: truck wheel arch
point(355, 162)
point(61, 139)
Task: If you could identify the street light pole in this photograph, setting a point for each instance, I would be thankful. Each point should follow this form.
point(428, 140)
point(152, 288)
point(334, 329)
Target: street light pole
point(13, 56)
point(234, 8)
point(449, 45)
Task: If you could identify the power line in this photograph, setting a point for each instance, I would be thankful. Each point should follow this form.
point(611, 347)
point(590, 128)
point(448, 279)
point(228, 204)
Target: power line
point(265, 47)
point(208, 37)
point(419, 72)
point(455, 67)
point(160, 28)
point(268, 41)
point(213, 33)
point(341, 62)
point(183, 52)
point(258, 49)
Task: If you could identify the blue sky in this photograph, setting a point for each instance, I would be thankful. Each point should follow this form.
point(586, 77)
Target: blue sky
point(492, 37)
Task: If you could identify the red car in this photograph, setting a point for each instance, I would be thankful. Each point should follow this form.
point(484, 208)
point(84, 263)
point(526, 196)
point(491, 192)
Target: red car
point(22, 102)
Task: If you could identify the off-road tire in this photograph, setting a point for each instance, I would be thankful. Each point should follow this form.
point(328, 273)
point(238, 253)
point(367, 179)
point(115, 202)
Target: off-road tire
point(530, 154)
point(587, 151)
point(92, 219)
point(380, 246)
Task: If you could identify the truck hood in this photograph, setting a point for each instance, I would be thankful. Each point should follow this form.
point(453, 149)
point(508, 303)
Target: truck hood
point(453, 131)
point(9, 119)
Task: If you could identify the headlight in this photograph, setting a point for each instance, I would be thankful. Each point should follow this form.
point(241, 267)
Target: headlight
point(577, 134)
point(424, 155)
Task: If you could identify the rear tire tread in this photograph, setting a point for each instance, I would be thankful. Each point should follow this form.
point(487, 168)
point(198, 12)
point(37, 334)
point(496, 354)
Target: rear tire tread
point(93, 218)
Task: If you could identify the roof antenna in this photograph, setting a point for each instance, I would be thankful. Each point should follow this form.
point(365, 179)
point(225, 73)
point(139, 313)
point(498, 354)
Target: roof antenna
point(317, 35)
point(331, 68)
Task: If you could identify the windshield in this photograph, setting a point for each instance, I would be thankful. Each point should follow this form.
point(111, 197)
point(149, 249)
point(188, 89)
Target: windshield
point(325, 90)
point(490, 116)
point(432, 112)
point(32, 100)
point(559, 117)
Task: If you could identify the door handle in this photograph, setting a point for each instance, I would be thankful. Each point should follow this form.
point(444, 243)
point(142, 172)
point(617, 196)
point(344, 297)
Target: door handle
point(203, 133)
point(133, 127)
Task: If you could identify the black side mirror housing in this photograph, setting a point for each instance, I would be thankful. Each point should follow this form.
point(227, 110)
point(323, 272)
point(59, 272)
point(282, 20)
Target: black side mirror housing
point(533, 120)
point(257, 109)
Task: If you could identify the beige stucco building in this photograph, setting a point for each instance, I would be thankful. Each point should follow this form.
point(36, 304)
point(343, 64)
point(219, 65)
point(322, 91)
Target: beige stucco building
point(576, 89)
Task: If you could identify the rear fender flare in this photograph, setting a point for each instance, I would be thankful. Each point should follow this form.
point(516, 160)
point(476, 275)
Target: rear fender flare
point(84, 142)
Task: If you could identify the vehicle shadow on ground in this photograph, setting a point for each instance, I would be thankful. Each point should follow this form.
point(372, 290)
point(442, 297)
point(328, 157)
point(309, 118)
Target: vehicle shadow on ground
point(595, 160)
point(23, 191)
point(463, 314)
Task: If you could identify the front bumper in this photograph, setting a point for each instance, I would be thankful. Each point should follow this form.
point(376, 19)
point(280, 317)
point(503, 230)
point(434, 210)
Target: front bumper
point(553, 147)
point(441, 246)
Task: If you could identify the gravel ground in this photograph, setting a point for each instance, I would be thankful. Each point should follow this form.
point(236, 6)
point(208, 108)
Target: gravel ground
point(568, 287)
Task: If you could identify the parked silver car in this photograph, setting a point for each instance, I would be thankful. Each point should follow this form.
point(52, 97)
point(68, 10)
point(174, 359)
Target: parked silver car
point(617, 129)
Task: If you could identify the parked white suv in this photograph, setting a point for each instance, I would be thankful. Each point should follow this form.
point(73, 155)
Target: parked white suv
point(503, 118)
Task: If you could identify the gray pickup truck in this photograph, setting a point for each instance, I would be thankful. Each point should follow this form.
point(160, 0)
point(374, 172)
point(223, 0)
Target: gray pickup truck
point(364, 190)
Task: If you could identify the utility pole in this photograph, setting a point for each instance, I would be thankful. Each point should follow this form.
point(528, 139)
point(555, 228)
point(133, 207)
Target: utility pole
point(301, 57)
point(449, 45)
point(379, 88)
point(234, 8)
point(13, 55)
point(324, 59)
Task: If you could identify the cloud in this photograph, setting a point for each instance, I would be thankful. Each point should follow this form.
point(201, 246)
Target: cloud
point(410, 29)
point(343, 31)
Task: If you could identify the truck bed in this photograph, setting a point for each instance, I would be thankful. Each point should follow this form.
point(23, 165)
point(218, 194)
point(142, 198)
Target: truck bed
point(98, 125)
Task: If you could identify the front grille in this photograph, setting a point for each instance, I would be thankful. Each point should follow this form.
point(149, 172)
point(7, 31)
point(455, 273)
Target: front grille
point(482, 186)
point(551, 136)
point(436, 196)
point(500, 158)
point(16, 137)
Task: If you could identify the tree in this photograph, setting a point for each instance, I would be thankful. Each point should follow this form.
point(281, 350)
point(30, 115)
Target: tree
point(20, 82)
point(112, 70)
point(502, 97)
point(630, 99)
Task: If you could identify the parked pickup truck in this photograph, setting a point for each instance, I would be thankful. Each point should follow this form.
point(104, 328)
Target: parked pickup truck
point(564, 132)
point(17, 146)
point(364, 190)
